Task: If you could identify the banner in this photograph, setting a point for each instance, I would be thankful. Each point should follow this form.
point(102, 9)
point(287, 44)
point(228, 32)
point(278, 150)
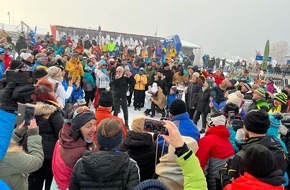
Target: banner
point(260, 58)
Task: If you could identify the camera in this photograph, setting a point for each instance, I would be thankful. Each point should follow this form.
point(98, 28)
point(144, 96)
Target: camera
point(20, 77)
point(155, 126)
point(25, 113)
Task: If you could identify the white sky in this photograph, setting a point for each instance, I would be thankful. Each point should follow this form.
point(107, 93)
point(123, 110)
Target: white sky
point(223, 28)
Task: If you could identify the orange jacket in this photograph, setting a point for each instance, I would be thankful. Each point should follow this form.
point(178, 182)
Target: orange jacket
point(103, 113)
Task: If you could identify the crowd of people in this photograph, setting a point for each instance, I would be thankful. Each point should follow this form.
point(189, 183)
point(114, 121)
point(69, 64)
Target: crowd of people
point(241, 144)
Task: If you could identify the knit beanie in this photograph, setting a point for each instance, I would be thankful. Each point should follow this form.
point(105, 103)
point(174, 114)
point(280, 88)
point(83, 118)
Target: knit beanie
point(106, 99)
point(177, 107)
point(257, 121)
point(15, 64)
point(281, 97)
point(216, 120)
point(55, 73)
point(230, 107)
point(196, 74)
point(248, 86)
point(260, 91)
point(259, 161)
point(39, 72)
point(138, 123)
point(235, 98)
point(154, 88)
point(150, 184)
point(233, 82)
point(79, 121)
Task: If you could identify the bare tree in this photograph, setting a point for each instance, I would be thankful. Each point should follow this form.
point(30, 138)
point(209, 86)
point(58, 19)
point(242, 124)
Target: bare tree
point(279, 51)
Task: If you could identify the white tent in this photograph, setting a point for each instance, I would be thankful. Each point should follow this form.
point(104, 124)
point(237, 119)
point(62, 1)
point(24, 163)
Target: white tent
point(187, 44)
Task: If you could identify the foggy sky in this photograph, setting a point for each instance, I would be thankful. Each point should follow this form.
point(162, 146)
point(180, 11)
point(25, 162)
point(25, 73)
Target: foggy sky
point(223, 28)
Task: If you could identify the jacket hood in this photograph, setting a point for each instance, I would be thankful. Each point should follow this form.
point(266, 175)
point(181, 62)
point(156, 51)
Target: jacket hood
point(247, 181)
point(44, 108)
point(183, 116)
point(70, 150)
point(105, 164)
point(137, 140)
point(219, 130)
point(276, 178)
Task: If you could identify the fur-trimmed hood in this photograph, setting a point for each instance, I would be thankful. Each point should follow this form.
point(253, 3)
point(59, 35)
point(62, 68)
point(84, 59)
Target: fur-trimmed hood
point(45, 108)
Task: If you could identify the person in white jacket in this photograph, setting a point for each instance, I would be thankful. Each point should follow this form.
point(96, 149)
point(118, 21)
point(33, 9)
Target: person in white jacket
point(55, 77)
point(102, 76)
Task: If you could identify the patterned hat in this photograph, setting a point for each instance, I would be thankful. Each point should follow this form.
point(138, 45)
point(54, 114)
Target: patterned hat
point(281, 97)
point(261, 92)
point(248, 86)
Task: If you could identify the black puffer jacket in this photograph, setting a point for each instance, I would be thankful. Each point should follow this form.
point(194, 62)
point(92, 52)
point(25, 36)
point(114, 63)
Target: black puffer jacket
point(49, 118)
point(105, 170)
point(203, 101)
point(141, 148)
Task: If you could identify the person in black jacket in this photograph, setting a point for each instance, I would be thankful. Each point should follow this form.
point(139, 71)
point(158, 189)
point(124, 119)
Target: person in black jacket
point(202, 106)
point(168, 76)
point(141, 148)
point(256, 125)
point(160, 79)
point(107, 168)
point(49, 118)
point(119, 85)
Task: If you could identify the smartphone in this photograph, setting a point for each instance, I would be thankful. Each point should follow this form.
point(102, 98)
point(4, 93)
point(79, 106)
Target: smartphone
point(157, 126)
point(25, 113)
point(231, 115)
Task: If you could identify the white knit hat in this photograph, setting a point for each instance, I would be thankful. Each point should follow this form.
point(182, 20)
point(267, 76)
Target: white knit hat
point(216, 120)
point(154, 88)
point(55, 73)
point(25, 55)
point(235, 98)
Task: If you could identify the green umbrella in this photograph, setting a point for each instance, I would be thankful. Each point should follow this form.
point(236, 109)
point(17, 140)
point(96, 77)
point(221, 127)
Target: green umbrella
point(266, 55)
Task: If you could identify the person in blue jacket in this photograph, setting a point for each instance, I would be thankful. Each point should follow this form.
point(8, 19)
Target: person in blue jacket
point(173, 95)
point(2, 69)
point(179, 116)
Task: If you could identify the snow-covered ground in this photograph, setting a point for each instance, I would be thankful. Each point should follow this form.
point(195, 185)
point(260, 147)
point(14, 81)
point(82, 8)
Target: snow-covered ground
point(132, 113)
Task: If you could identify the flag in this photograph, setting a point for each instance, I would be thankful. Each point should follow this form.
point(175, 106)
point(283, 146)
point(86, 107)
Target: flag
point(100, 36)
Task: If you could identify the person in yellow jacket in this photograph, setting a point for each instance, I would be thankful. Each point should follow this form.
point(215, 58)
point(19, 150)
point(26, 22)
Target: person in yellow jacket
point(139, 89)
point(104, 48)
point(172, 52)
point(75, 68)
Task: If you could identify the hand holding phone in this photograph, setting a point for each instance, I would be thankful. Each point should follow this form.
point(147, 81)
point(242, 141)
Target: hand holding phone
point(174, 137)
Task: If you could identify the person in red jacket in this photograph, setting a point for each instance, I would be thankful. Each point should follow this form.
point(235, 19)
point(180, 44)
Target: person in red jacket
point(260, 171)
point(74, 139)
point(7, 57)
point(218, 75)
point(105, 111)
point(214, 149)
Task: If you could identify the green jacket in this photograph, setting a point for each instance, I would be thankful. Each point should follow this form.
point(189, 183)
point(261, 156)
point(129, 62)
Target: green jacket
point(194, 178)
point(17, 164)
point(150, 75)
